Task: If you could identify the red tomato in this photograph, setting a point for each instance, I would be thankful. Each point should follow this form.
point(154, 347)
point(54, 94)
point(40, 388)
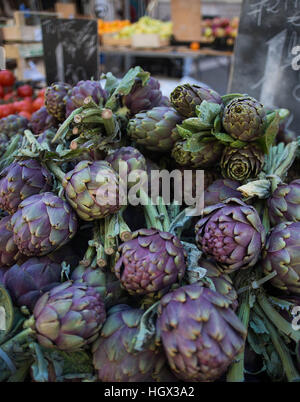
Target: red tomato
point(25, 90)
point(37, 103)
point(41, 93)
point(25, 114)
point(7, 78)
point(23, 105)
point(1, 92)
point(6, 110)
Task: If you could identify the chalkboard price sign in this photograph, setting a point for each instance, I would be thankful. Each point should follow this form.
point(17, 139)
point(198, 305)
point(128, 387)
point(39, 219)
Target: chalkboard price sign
point(267, 55)
point(70, 49)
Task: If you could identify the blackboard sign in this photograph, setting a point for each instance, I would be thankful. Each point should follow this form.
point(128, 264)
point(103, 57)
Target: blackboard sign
point(70, 49)
point(267, 55)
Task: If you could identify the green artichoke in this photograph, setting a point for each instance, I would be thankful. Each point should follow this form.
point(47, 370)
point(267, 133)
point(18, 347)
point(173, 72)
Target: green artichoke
point(284, 204)
point(186, 97)
point(242, 163)
point(151, 261)
point(56, 100)
point(244, 118)
point(232, 233)
point(200, 333)
point(42, 224)
point(282, 255)
point(205, 155)
point(113, 355)
point(92, 189)
point(69, 316)
point(155, 129)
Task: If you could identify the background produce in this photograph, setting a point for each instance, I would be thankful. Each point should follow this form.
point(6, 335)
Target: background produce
point(99, 290)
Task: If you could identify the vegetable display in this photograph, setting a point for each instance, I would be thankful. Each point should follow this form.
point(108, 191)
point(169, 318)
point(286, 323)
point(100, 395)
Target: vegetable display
point(146, 239)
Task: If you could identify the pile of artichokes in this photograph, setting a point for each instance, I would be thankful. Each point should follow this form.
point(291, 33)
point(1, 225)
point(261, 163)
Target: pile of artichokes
point(96, 289)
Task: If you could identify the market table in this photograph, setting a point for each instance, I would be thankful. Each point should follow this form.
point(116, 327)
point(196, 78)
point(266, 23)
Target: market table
point(169, 51)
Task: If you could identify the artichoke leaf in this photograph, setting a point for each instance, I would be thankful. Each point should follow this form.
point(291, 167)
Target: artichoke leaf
point(267, 140)
point(228, 98)
point(207, 112)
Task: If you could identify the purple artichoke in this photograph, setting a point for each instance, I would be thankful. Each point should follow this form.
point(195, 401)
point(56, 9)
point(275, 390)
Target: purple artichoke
point(13, 124)
point(221, 281)
point(150, 262)
point(200, 333)
point(56, 99)
point(20, 180)
point(2, 275)
point(82, 90)
point(9, 252)
point(113, 357)
point(284, 204)
point(42, 224)
point(41, 120)
point(220, 190)
point(27, 282)
point(185, 98)
point(231, 233)
point(134, 160)
point(282, 255)
point(143, 98)
point(92, 189)
point(69, 316)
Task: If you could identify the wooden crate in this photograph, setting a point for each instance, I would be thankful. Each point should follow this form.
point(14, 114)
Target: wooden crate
point(109, 39)
point(148, 41)
point(186, 18)
point(20, 32)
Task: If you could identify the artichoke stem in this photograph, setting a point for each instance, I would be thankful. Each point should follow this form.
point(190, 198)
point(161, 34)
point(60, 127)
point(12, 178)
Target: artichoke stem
point(279, 322)
point(110, 236)
point(101, 257)
point(124, 230)
point(285, 357)
point(236, 371)
point(66, 124)
point(88, 256)
point(13, 145)
point(55, 170)
point(164, 213)
point(92, 119)
point(109, 122)
point(19, 339)
point(151, 211)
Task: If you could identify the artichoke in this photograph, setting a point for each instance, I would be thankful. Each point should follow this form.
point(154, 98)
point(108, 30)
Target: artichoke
point(69, 316)
point(143, 98)
point(9, 252)
point(155, 129)
point(27, 282)
point(81, 91)
point(242, 163)
point(200, 333)
point(2, 275)
point(41, 120)
point(42, 224)
point(150, 262)
point(282, 255)
point(113, 357)
point(284, 204)
point(56, 99)
point(221, 281)
point(92, 189)
point(244, 118)
point(220, 190)
point(186, 97)
point(20, 180)
point(205, 155)
point(132, 157)
point(13, 124)
point(231, 233)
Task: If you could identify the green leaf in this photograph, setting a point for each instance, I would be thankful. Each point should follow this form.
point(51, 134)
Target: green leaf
point(223, 137)
point(258, 325)
point(238, 144)
point(125, 85)
point(111, 82)
point(228, 98)
point(207, 112)
point(183, 132)
point(196, 142)
point(194, 124)
point(283, 113)
point(267, 140)
point(217, 124)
